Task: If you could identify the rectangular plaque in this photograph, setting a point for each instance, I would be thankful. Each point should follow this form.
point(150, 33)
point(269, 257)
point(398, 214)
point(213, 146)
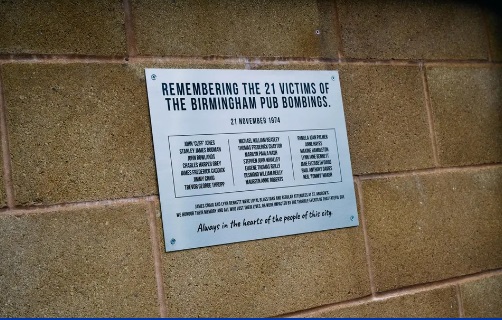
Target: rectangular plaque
point(246, 154)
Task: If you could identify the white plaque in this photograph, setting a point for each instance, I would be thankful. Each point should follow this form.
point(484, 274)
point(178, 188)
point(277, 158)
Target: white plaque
point(246, 154)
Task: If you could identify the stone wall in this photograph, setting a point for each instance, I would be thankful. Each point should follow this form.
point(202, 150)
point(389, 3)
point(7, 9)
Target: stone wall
point(80, 229)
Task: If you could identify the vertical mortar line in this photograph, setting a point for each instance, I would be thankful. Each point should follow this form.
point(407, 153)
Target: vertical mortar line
point(7, 168)
point(460, 302)
point(430, 119)
point(365, 235)
point(488, 32)
point(157, 259)
point(338, 31)
point(247, 65)
point(132, 49)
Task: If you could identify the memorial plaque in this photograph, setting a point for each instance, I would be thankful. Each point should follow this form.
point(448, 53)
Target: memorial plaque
point(246, 154)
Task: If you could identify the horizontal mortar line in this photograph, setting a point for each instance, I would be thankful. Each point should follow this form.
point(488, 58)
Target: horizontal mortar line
point(382, 296)
point(70, 206)
point(77, 58)
point(462, 64)
point(329, 307)
point(293, 60)
point(478, 276)
point(407, 173)
point(60, 58)
point(372, 62)
point(418, 62)
point(234, 60)
point(301, 60)
point(47, 58)
point(440, 284)
point(185, 59)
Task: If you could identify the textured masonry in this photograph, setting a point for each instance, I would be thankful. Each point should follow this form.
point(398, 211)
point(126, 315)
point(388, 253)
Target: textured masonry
point(243, 280)
point(84, 263)
point(86, 128)
point(80, 226)
point(433, 303)
point(426, 240)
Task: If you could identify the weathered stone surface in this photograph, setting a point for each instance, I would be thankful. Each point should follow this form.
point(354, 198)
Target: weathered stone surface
point(467, 111)
point(266, 277)
point(429, 227)
point(483, 298)
point(95, 27)
point(84, 263)
point(228, 28)
point(386, 118)
point(495, 30)
point(3, 196)
point(393, 29)
point(78, 132)
point(441, 303)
